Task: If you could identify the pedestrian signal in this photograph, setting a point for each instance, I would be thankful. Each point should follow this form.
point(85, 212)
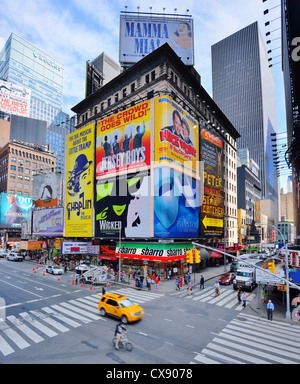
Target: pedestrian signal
point(189, 256)
point(197, 256)
point(271, 267)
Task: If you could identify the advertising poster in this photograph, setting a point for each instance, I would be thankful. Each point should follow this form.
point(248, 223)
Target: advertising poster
point(141, 35)
point(80, 183)
point(123, 141)
point(14, 99)
point(176, 204)
point(153, 252)
point(48, 222)
point(176, 136)
point(47, 186)
point(14, 209)
point(212, 210)
point(122, 206)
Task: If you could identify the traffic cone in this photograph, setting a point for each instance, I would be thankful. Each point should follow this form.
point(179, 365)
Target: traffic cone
point(43, 273)
point(34, 271)
point(58, 278)
point(81, 285)
point(91, 286)
point(73, 282)
point(108, 284)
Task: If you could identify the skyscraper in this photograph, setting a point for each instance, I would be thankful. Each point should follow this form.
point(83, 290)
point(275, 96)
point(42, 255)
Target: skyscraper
point(244, 89)
point(22, 63)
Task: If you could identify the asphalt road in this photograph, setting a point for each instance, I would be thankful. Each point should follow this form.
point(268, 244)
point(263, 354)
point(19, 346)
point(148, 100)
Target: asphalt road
point(44, 320)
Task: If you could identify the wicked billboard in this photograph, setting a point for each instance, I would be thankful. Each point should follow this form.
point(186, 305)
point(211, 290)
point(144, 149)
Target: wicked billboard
point(212, 209)
point(123, 141)
point(80, 183)
point(122, 206)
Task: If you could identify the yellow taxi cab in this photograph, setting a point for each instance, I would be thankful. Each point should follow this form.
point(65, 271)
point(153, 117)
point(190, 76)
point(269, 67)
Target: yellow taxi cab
point(119, 306)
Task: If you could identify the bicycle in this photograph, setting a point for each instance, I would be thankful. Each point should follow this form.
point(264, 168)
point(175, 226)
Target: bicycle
point(123, 342)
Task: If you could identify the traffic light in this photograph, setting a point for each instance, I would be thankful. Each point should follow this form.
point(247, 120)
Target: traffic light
point(189, 256)
point(271, 267)
point(197, 256)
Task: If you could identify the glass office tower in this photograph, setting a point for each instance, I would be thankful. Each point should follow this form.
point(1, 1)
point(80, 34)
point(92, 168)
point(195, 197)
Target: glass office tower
point(244, 89)
point(24, 64)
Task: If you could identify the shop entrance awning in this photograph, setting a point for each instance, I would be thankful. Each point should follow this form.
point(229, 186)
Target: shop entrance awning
point(215, 254)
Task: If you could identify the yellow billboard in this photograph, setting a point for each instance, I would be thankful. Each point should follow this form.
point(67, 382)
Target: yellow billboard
point(176, 136)
point(80, 183)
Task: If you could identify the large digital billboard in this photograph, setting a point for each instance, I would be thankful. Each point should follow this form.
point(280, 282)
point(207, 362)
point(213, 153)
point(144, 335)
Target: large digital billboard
point(123, 141)
point(176, 204)
point(176, 136)
point(48, 222)
point(212, 209)
point(122, 206)
point(142, 34)
point(14, 99)
point(13, 210)
point(80, 183)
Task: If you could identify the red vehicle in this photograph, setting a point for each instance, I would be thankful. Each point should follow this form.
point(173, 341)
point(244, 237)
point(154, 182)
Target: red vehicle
point(227, 278)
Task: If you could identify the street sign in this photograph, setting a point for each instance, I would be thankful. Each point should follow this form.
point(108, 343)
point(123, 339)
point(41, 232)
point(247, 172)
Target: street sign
point(266, 278)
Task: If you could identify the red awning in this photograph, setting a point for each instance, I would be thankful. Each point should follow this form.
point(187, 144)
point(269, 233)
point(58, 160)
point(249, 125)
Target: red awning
point(216, 255)
point(152, 258)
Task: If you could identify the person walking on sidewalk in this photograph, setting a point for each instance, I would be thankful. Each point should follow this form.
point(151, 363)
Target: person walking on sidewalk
point(270, 309)
point(244, 299)
point(201, 282)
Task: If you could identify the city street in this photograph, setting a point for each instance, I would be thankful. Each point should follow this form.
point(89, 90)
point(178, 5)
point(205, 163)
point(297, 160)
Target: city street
point(44, 320)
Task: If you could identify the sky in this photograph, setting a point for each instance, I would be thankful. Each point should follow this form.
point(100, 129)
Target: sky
point(74, 31)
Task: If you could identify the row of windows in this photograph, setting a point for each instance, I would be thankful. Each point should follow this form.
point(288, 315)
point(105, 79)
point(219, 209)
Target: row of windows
point(30, 156)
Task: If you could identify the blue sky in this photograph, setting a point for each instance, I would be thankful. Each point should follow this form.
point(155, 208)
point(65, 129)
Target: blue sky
point(74, 31)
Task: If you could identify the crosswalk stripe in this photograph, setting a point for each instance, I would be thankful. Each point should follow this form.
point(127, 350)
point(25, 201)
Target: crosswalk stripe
point(71, 313)
point(50, 321)
point(5, 348)
point(25, 329)
point(206, 360)
point(91, 308)
point(232, 352)
point(247, 338)
point(38, 325)
point(61, 317)
point(80, 311)
point(16, 338)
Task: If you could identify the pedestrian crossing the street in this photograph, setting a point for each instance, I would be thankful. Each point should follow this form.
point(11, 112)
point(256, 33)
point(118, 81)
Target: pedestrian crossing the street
point(249, 339)
point(36, 326)
point(227, 297)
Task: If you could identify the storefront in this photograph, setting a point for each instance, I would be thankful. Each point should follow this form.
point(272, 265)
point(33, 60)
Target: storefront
point(165, 260)
point(76, 252)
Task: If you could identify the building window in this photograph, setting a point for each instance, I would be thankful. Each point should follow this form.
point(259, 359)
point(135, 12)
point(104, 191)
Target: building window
point(124, 92)
point(132, 87)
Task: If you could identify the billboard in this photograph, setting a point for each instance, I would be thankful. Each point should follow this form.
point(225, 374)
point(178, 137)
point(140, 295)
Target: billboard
point(142, 34)
point(46, 186)
point(212, 210)
point(176, 204)
point(48, 222)
point(14, 99)
point(122, 206)
point(176, 136)
point(13, 210)
point(80, 183)
point(123, 141)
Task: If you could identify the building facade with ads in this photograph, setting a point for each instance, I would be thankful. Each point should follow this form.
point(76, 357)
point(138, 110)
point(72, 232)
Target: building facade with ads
point(212, 209)
point(80, 183)
point(48, 222)
point(14, 99)
point(14, 209)
point(142, 34)
point(124, 141)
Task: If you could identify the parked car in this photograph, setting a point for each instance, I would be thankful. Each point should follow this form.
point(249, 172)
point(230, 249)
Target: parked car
point(54, 269)
point(14, 256)
point(227, 278)
point(3, 254)
point(119, 306)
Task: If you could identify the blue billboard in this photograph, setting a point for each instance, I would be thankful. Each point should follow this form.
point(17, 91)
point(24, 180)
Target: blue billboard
point(13, 210)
